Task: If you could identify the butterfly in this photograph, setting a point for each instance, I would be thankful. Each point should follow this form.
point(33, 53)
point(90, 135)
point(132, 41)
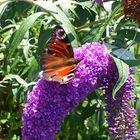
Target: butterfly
point(58, 60)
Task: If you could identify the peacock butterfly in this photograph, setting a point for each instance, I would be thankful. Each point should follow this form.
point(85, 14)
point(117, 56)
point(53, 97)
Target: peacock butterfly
point(58, 60)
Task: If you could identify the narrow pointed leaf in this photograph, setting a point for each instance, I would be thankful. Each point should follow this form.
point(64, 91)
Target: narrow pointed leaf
point(123, 70)
point(19, 35)
point(3, 6)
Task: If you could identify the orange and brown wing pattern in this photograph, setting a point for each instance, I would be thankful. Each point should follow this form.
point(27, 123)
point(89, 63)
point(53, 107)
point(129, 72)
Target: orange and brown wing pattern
point(59, 44)
point(58, 59)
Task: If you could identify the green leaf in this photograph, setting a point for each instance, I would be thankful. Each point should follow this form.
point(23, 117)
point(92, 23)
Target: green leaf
point(123, 70)
point(88, 111)
point(123, 54)
point(17, 77)
point(92, 34)
point(101, 120)
point(133, 62)
point(130, 34)
point(73, 123)
point(107, 21)
point(44, 36)
point(60, 16)
point(3, 5)
point(25, 26)
point(3, 121)
point(7, 28)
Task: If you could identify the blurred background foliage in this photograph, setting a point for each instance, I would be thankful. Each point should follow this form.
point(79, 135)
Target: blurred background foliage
point(25, 28)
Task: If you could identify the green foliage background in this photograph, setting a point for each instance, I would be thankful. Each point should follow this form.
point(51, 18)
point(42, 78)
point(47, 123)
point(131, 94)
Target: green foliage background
point(25, 28)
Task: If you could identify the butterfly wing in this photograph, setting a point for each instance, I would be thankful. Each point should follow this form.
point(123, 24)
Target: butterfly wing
point(58, 69)
point(58, 60)
point(59, 44)
point(60, 74)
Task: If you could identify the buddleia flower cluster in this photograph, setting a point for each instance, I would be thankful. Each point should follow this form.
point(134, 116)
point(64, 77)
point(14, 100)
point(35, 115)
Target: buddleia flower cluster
point(120, 115)
point(49, 102)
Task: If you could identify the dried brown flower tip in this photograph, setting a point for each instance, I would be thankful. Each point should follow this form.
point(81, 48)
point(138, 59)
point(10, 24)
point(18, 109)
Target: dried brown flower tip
point(132, 9)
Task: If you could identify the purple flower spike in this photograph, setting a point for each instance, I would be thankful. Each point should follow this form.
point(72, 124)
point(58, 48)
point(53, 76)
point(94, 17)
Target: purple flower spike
point(121, 116)
point(49, 102)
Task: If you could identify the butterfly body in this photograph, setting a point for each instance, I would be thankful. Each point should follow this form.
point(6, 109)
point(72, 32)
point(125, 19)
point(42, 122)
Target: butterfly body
point(58, 59)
